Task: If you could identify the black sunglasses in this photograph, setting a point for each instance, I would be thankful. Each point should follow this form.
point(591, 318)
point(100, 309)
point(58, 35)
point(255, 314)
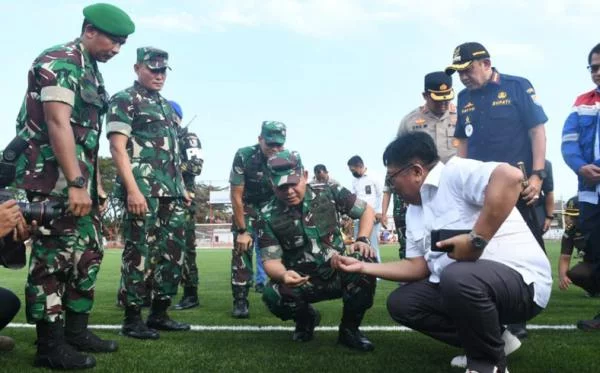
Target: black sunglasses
point(594, 68)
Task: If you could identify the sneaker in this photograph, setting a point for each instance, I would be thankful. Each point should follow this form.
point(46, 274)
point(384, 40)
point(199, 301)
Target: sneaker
point(511, 344)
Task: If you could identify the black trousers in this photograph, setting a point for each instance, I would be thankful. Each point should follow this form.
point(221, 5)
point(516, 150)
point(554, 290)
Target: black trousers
point(589, 224)
point(529, 215)
point(9, 306)
point(467, 308)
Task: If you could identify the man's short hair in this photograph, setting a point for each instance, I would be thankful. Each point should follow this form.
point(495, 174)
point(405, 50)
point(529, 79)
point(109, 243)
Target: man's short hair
point(355, 161)
point(320, 167)
point(595, 50)
point(406, 148)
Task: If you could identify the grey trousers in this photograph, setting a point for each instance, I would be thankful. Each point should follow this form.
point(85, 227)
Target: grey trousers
point(467, 308)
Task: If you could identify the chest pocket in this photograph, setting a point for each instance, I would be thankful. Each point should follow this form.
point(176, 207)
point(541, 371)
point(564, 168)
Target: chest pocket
point(503, 112)
point(324, 215)
point(94, 103)
point(289, 234)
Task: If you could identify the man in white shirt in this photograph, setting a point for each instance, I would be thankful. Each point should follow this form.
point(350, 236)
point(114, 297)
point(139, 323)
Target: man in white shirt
point(370, 189)
point(494, 275)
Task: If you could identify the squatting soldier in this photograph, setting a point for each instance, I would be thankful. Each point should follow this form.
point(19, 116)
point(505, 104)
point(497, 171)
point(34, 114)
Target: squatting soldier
point(298, 234)
point(250, 191)
point(61, 119)
point(143, 143)
point(191, 166)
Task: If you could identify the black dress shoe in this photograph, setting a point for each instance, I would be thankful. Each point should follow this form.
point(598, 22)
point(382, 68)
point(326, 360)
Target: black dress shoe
point(137, 329)
point(353, 338)
point(518, 330)
point(187, 303)
point(166, 323)
point(305, 326)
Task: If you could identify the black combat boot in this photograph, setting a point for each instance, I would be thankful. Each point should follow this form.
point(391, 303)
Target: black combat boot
point(158, 318)
point(306, 322)
point(189, 299)
point(54, 353)
point(134, 327)
point(349, 335)
point(240, 303)
point(79, 336)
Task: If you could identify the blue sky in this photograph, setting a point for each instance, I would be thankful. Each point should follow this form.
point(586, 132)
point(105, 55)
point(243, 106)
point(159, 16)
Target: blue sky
point(340, 73)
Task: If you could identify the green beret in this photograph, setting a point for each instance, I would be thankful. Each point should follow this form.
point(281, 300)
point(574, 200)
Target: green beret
point(110, 19)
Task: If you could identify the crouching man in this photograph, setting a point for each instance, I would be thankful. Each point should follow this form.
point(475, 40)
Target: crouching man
point(298, 234)
point(466, 286)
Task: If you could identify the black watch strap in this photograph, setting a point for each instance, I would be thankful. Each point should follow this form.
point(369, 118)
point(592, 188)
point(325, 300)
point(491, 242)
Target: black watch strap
point(241, 230)
point(78, 182)
point(363, 239)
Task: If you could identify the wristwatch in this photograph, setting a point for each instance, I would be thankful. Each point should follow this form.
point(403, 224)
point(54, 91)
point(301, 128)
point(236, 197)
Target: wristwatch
point(542, 174)
point(78, 182)
point(477, 241)
point(363, 239)
point(241, 230)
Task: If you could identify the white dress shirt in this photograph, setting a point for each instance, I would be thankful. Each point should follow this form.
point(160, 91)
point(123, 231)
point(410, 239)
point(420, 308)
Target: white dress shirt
point(369, 188)
point(452, 197)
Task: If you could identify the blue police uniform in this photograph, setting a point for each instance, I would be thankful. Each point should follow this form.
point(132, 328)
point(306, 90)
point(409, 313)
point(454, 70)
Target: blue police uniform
point(496, 120)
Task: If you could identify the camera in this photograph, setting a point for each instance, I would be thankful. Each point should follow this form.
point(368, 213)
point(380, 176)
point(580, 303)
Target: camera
point(42, 212)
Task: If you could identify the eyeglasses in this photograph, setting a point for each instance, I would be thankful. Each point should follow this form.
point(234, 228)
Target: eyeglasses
point(389, 179)
point(594, 68)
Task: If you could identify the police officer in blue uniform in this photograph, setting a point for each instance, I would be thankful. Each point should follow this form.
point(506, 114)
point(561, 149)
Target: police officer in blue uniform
point(499, 119)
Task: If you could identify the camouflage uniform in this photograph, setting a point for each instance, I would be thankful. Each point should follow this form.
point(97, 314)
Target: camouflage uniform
point(304, 238)
point(190, 168)
point(66, 256)
point(154, 243)
point(250, 170)
point(399, 214)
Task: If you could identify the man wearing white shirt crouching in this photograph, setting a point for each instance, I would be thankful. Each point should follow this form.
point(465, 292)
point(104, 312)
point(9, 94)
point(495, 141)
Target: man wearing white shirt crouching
point(472, 283)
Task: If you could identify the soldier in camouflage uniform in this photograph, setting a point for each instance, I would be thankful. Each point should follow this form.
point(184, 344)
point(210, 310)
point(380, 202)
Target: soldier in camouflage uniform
point(191, 166)
point(399, 215)
point(142, 130)
point(298, 235)
point(250, 191)
point(61, 120)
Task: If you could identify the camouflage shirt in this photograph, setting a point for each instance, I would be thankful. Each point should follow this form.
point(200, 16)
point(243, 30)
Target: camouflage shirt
point(306, 236)
point(250, 170)
point(64, 73)
point(148, 120)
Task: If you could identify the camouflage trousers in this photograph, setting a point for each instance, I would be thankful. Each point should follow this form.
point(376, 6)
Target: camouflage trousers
point(189, 271)
point(63, 268)
point(153, 253)
point(400, 223)
point(356, 290)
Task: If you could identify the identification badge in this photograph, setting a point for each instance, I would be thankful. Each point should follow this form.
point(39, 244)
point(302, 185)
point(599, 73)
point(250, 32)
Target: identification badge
point(367, 189)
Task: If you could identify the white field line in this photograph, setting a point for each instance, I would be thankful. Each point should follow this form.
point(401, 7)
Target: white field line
point(276, 328)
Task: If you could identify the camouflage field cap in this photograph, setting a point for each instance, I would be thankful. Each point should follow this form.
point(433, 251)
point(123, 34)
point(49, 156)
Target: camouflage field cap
point(153, 58)
point(572, 207)
point(273, 132)
point(285, 167)
point(109, 19)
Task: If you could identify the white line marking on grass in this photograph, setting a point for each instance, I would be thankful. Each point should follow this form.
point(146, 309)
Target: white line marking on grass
point(276, 328)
